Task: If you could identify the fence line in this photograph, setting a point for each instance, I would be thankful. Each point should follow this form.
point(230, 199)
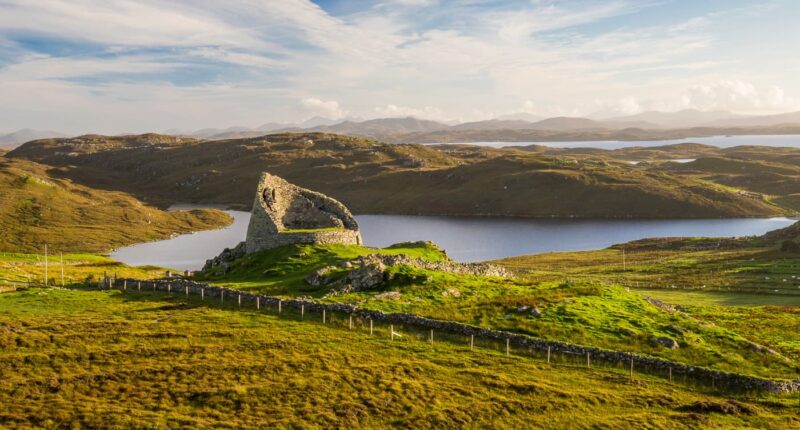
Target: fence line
point(422, 328)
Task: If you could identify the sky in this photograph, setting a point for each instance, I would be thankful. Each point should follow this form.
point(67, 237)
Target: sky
point(113, 66)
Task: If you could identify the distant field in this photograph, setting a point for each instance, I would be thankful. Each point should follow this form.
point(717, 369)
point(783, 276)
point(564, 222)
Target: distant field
point(91, 359)
point(19, 270)
point(761, 269)
point(704, 298)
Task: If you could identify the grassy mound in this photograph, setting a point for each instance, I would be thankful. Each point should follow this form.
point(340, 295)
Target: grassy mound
point(282, 271)
point(89, 359)
point(36, 208)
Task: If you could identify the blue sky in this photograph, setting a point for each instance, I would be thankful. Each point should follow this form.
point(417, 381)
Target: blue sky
point(115, 66)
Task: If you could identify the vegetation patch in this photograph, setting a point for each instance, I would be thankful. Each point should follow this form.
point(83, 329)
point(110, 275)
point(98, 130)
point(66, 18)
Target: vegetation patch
point(36, 209)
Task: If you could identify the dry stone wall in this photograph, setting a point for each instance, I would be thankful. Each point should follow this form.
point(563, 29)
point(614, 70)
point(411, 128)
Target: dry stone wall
point(642, 363)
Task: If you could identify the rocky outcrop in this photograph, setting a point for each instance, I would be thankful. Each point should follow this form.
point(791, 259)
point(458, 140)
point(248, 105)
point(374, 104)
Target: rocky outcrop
point(665, 342)
point(285, 214)
point(370, 271)
point(226, 256)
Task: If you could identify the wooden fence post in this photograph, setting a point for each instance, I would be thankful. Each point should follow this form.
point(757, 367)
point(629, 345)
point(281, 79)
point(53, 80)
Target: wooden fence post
point(370, 327)
point(471, 342)
point(169, 287)
point(670, 374)
point(548, 354)
point(588, 359)
point(45, 265)
point(350, 326)
point(508, 345)
point(258, 303)
point(222, 296)
point(631, 368)
point(323, 315)
point(202, 294)
point(139, 285)
point(391, 331)
point(279, 305)
point(431, 335)
point(240, 300)
point(186, 290)
point(302, 310)
point(125, 285)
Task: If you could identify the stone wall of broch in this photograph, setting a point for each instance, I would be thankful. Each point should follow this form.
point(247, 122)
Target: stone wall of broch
point(284, 214)
point(644, 364)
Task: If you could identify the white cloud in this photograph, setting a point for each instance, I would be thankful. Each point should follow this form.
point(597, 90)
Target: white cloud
point(246, 62)
point(328, 109)
point(738, 96)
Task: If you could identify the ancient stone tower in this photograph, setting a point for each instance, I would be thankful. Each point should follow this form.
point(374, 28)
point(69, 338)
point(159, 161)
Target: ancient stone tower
point(284, 213)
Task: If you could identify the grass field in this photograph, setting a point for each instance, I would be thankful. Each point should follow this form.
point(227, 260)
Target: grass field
point(585, 311)
point(719, 298)
point(104, 359)
point(19, 270)
point(37, 209)
point(760, 269)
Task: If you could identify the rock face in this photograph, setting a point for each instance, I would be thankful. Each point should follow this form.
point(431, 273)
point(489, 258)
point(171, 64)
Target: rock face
point(370, 271)
point(665, 342)
point(225, 257)
point(285, 214)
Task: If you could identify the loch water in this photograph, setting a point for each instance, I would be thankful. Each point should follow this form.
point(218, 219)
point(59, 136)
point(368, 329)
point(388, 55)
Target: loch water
point(464, 238)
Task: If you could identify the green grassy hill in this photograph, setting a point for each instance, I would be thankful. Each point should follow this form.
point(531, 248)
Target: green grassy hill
point(38, 209)
point(92, 359)
point(588, 311)
point(372, 177)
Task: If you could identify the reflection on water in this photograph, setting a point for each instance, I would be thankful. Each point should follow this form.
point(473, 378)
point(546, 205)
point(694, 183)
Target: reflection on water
point(464, 238)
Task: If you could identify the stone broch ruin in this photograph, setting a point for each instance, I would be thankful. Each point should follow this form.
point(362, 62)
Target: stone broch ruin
point(285, 214)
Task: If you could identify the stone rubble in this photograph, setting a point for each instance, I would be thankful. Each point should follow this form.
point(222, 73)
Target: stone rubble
point(371, 271)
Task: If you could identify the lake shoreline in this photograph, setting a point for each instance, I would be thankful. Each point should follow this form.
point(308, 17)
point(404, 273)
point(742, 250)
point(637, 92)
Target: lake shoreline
point(467, 239)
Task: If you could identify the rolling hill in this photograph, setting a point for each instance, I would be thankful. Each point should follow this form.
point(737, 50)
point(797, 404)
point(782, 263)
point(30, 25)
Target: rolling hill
point(373, 177)
point(38, 209)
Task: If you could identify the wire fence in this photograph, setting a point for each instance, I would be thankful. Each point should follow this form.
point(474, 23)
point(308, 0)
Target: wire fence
point(414, 329)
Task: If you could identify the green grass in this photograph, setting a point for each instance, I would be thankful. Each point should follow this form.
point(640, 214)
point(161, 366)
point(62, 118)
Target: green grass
point(104, 359)
point(37, 209)
point(282, 271)
point(18, 270)
point(721, 298)
point(586, 311)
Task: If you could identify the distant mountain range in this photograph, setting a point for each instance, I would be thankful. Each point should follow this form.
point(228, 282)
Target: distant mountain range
point(514, 127)
point(686, 118)
point(393, 129)
point(12, 140)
